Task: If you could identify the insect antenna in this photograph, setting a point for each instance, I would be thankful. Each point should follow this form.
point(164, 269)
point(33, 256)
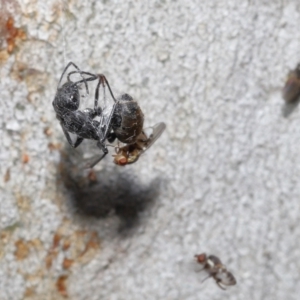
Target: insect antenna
point(91, 78)
point(206, 278)
point(65, 70)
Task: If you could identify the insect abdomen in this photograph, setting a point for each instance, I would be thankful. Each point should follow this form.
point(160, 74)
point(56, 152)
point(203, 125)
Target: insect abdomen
point(129, 121)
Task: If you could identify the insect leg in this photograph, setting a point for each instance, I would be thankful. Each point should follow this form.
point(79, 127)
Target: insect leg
point(78, 141)
point(65, 69)
point(91, 78)
point(78, 71)
point(206, 278)
point(105, 151)
point(219, 285)
point(67, 135)
point(110, 91)
point(102, 81)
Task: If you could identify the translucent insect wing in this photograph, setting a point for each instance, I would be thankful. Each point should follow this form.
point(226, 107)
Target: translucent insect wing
point(158, 129)
point(225, 277)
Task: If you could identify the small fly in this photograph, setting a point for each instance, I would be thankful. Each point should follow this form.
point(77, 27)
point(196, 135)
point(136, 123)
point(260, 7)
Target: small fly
point(214, 267)
point(291, 90)
point(130, 153)
point(126, 126)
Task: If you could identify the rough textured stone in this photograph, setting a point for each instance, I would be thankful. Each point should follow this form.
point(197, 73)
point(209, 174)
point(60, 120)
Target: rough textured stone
point(223, 178)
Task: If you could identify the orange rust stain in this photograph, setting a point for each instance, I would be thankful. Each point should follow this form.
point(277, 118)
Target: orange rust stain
point(35, 243)
point(14, 35)
point(25, 158)
point(34, 277)
point(22, 71)
point(7, 176)
point(3, 56)
point(56, 240)
point(23, 202)
point(53, 146)
point(66, 244)
point(29, 292)
point(82, 246)
point(35, 79)
point(67, 263)
point(92, 176)
point(93, 243)
point(48, 131)
point(5, 236)
point(32, 97)
point(57, 8)
point(52, 254)
point(22, 250)
point(49, 259)
point(81, 233)
point(61, 285)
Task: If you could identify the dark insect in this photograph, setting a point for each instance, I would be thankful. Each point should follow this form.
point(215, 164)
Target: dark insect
point(127, 127)
point(127, 120)
point(130, 153)
point(214, 267)
point(291, 90)
point(82, 123)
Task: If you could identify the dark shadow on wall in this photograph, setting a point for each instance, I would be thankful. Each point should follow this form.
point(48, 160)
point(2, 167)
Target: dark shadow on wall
point(111, 190)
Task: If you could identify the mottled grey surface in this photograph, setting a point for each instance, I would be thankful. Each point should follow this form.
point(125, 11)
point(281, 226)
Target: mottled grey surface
point(223, 178)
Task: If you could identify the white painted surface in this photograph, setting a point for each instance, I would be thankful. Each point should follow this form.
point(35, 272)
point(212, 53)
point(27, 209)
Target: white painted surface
point(228, 163)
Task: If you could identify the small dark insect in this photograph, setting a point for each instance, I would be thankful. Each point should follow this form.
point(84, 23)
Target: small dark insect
point(291, 90)
point(130, 153)
point(127, 127)
point(81, 122)
point(127, 120)
point(214, 267)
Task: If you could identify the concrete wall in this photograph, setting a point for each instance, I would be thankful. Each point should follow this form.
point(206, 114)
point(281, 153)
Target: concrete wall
point(223, 178)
